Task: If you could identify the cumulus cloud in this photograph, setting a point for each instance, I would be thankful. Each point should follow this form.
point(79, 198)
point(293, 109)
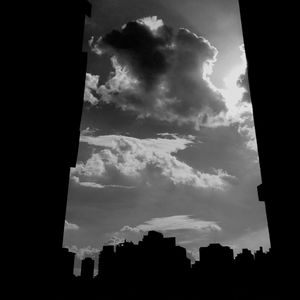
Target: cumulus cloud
point(91, 86)
point(248, 131)
point(94, 167)
point(160, 73)
point(115, 239)
point(193, 254)
point(165, 75)
point(83, 252)
point(132, 157)
point(237, 98)
point(137, 47)
point(243, 80)
point(233, 92)
point(70, 226)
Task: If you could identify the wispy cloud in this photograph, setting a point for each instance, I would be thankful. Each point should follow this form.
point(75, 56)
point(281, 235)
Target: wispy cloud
point(70, 226)
point(164, 224)
point(252, 239)
point(91, 184)
point(177, 223)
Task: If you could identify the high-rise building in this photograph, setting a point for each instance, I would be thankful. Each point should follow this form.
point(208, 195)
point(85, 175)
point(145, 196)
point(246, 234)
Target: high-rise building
point(216, 256)
point(106, 263)
point(245, 256)
point(87, 268)
point(67, 259)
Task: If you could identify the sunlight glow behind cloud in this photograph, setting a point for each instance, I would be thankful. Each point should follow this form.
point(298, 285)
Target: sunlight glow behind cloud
point(152, 22)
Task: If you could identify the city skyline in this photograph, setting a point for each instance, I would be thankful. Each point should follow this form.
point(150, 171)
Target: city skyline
point(148, 256)
point(93, 254)
point(167, 146)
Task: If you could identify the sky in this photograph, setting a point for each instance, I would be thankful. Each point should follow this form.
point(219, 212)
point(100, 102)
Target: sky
point(167, 136)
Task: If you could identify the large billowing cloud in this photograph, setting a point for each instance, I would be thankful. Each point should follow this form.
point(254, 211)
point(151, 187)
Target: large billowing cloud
point(91, 85)
point(237, 97)
point(144, 51)
point(166, 76)
point(135, 158)
point(160, 73)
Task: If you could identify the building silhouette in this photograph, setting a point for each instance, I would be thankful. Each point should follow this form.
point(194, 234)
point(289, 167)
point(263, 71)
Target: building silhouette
point(67, 259)
point(273, 188)
point(157, 268)
point(87, 268)
point(106, 263)
point(216, 254)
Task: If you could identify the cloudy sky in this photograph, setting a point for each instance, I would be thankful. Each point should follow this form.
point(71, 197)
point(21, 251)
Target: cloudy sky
point(167, 137)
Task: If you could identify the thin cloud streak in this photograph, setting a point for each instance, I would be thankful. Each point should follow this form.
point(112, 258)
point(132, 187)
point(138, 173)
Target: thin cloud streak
point(178, 223)
point(164, 224)
point(70, 226)
point(91, 184)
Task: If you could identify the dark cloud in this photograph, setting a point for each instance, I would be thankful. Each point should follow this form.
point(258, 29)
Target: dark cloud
point(160, 74)
point(142, 51)
point(185, 79)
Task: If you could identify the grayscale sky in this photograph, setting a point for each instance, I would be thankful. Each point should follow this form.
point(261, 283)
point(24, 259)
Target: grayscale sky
point(167, 136)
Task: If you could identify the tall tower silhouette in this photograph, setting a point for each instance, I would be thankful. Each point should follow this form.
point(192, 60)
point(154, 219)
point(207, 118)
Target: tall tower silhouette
point(66, 116)
point(67, 260)
point(275, 130)
point(87, 268)
point(259, 28)
point(73, 102)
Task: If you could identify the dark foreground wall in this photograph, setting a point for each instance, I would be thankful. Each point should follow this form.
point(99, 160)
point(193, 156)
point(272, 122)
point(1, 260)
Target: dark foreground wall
point(44, 111)
point(267, 66)
point(269, 28)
